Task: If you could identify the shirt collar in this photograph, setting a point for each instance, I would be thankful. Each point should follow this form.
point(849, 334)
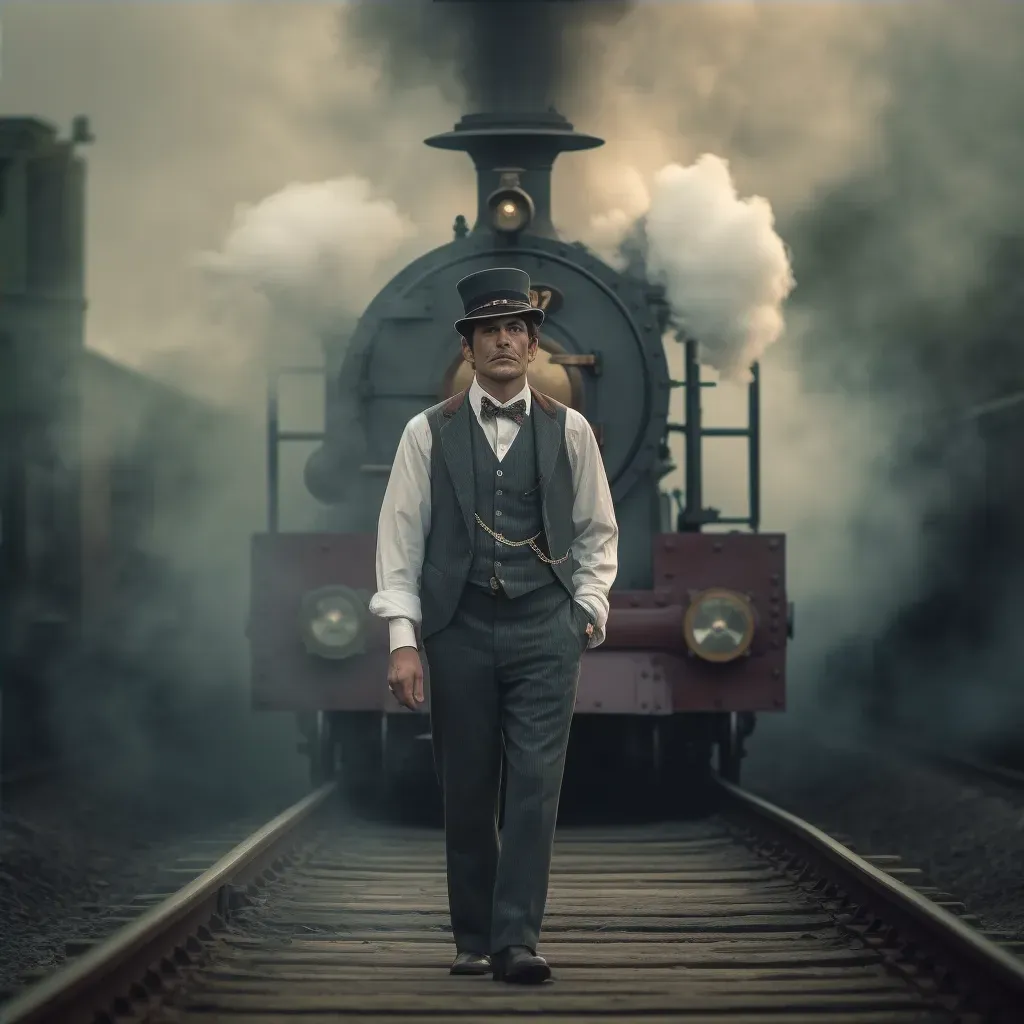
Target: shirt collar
point(476, 394)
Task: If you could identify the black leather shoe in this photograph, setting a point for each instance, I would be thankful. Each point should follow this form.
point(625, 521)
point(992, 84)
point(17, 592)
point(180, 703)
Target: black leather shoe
point(519, 965)
point(471, 963)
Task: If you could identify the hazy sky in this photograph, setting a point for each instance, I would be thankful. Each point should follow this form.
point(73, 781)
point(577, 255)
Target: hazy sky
point(197, 107)
point(913, 109)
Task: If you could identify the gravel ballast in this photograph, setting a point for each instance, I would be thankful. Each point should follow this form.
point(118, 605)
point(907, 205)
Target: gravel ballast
point(75, 846)
point(967, 836)
point(70, 863)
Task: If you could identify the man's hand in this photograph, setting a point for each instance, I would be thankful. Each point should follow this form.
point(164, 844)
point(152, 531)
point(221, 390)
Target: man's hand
point(405, 677)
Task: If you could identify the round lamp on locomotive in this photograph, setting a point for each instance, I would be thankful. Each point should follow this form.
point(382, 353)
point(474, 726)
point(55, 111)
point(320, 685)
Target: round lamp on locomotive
point(333, 622)
point(510, 206)
point(719, 625)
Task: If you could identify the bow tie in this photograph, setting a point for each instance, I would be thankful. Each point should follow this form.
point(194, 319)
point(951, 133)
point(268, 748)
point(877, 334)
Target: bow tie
point(515, 412)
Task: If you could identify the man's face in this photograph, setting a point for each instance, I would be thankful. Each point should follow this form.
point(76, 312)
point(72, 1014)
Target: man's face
point(501, 348)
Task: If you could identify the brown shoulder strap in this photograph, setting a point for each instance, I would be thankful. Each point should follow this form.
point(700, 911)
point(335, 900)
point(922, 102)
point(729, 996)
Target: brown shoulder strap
point(546, 402)
point(454, 404)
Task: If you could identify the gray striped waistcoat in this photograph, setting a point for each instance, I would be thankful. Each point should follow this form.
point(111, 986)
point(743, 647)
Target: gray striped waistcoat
point(451, 543)
point(507, 499)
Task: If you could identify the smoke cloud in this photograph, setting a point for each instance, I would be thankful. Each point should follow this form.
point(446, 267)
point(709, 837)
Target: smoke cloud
point(499, 54)
point(885, 137)
point(726, 272)
point(910, 267)
point(315, 250)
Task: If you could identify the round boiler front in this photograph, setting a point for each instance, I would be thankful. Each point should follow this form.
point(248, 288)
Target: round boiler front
point(601, 350)
point(558, 382)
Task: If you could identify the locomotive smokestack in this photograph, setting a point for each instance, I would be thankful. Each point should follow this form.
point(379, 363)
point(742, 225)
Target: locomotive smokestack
point(527, 143)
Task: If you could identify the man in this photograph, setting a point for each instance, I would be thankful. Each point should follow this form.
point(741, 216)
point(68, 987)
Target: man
point(497, 535)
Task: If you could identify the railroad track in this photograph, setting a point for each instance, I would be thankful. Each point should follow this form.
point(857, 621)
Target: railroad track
point(975, 770)
point(963, 765)
point(125, 900)
point(748, 915)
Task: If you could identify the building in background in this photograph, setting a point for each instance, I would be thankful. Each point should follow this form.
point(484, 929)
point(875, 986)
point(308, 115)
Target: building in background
point(42, 334)
point(93, 456)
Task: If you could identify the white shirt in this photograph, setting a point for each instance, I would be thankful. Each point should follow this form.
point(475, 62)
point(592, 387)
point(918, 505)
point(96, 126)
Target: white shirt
point(405, 519)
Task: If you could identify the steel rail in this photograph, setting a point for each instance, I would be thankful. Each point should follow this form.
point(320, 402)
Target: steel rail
point(966, 766)
point(894, 911)
point(913, 750)
point(1009, 401)
point(128, 962)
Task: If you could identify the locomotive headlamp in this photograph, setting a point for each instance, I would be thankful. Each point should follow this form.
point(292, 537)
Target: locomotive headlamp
point(334, 622)
point(719, 625)
point(511, 208)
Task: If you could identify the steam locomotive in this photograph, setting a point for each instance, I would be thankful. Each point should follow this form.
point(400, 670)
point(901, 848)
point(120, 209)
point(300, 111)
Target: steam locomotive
point(697, 635)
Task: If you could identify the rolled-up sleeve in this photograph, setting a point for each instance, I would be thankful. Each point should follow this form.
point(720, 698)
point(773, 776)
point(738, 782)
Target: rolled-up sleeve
point(401, 535)
point(596, 543)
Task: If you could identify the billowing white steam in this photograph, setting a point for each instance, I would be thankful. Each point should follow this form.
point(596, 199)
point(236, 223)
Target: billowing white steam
point(628, 199)
point(725, 270)
point(313, 249)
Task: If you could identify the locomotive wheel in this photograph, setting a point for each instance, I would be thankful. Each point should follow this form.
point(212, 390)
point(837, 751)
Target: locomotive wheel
point(730, 748)
point(409, 777)
point(362, 759)
point(324, 760)
point(319, 745)
point(681, 766)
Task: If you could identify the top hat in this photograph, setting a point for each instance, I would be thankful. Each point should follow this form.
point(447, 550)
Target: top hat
point(503, 291)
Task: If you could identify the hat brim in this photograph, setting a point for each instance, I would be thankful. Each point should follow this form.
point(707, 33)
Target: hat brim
point(527, 312)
